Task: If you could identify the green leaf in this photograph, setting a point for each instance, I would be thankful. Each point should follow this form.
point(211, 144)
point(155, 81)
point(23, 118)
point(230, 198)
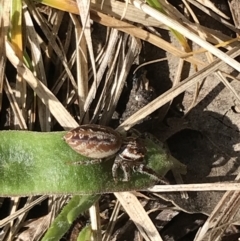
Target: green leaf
point(70, 212)
point(35, 163)
point(85, 234)
point(160, 159)
point(80, 204)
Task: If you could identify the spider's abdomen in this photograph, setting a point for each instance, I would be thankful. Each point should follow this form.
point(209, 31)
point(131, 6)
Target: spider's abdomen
point(94, 141)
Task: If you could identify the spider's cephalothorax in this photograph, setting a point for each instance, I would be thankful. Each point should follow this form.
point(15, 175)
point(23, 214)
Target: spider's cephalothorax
point(131, 157)
point(98, 142)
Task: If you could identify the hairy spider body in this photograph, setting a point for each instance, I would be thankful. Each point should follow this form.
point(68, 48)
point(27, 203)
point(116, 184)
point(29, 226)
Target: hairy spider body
point(94, 141)
point(98, 142)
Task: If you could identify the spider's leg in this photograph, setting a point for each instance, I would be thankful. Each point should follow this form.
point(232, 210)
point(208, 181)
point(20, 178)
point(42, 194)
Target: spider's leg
point(126, 172)
point(87, 162)
point(150, 172)
point(116, 165)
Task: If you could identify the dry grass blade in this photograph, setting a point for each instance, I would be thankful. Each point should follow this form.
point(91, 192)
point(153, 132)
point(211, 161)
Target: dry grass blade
point(228, 85)
point(212, 14)
point(222, 215)
point(115, 9)
point(106, 20)
point(81, 62)
point(210, 5)
point(8, 219)
point(16, 33)
point(2, 56)
point(196, 187)
point(58, 50)
point(14, 205)
point(138, 215)
point(34, 230)
point(210, 59)
point(112, 222)
point(95, 222)
point(213, 36)
point(38, 66)
point(106, 95)
point(55, 107)
point(175, 91)
point(142, 34)
point(14, 105)
point(192, 36)
point(102, 68)
point(120, 79)
point(20, 216)
point(85, 19)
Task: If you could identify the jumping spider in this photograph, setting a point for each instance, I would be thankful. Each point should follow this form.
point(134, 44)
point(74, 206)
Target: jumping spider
point(98, 142)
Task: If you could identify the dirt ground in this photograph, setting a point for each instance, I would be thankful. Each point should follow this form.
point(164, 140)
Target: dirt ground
point(204, 136)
